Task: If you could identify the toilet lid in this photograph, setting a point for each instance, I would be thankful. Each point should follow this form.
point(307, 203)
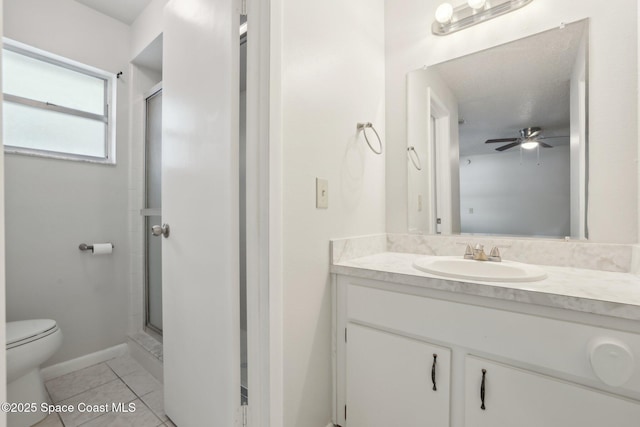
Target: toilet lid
point(24, 331)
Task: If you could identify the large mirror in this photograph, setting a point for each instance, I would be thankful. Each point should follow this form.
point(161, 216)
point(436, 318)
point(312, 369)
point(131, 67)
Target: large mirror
point(497, 140)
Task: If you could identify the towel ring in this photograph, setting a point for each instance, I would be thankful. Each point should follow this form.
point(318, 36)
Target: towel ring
point(415, 157)
point(362, 127)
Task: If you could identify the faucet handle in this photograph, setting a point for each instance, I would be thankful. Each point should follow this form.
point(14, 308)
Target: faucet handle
point(494, 255)
point(468, 252)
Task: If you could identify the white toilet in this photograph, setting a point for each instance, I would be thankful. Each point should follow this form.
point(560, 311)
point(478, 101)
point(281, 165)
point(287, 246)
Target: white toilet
point(29, 344)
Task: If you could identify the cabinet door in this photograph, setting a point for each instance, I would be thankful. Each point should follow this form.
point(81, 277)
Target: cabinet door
point(515, 397)
point(389, 380)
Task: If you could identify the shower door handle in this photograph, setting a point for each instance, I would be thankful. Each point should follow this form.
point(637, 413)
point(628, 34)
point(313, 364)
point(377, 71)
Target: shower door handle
point(158, 230)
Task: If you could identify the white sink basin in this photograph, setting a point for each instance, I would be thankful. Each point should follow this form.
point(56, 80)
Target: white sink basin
point(486, 271)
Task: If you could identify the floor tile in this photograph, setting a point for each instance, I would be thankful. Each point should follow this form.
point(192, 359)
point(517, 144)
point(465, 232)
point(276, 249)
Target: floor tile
point(124, 365)
point(155, 401)
point(142, 382)
point(112, 392)
point(141, 417)
point(52, 420)
point(69, 385)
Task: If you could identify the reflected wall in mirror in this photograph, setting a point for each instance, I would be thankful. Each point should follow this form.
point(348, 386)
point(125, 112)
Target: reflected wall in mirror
point(497, 140)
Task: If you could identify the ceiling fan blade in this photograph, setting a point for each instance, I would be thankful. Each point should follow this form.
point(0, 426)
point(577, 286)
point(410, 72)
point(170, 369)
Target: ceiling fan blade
point(550, 137)
point(506, 147)
point(543, 145)
point(490, 141)
point(535, 132)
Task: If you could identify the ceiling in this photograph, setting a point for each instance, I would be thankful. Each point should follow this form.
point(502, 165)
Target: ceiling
point(520, 84)
point(127, 11)
point(123, 10)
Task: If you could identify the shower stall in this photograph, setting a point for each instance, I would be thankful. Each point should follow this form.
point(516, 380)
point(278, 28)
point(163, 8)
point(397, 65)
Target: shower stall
point(152, 213)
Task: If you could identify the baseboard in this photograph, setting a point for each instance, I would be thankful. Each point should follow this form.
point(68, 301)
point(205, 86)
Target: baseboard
point(81, 362)
point(149, 362)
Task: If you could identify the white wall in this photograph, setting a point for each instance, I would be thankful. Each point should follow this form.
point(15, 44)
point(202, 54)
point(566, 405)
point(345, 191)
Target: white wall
point(516, 198)
point(53, 205)
point(147, 26)
point(613, 80)
point(331, 77)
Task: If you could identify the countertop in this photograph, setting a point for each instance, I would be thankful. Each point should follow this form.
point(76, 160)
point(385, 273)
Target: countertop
point(590, 291)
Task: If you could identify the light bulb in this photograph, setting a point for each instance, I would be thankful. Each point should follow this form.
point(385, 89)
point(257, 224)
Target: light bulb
point(529, 145)
point(444, 13)
point(476, 4)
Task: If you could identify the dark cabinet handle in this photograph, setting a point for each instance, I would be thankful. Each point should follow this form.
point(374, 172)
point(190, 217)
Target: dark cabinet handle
point(433, 372)
point(484, 373)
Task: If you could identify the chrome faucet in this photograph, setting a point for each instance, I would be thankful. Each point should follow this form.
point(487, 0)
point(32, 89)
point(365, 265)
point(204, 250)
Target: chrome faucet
point(478, 254)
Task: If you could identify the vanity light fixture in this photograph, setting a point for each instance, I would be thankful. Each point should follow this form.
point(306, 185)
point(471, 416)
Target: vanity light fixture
point(476, 4)
point(449, 19)
point(444, 13)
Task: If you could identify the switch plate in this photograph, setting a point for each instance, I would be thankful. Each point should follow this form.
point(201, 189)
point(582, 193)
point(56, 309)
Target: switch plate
point(322, 193)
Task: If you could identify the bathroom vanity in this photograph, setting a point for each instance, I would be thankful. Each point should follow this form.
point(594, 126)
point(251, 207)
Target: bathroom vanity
point(415, 349)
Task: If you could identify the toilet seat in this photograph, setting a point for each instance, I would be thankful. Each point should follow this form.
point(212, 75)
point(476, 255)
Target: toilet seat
point(25, 331)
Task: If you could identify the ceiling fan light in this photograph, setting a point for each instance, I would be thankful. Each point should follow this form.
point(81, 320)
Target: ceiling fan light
point(529, 145)
point(444, 13)
point(476, 4)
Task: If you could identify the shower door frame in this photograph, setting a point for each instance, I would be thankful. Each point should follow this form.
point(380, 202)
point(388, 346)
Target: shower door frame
point(146, 213)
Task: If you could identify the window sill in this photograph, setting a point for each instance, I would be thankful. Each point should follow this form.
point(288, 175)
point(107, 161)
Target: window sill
point(58, 156)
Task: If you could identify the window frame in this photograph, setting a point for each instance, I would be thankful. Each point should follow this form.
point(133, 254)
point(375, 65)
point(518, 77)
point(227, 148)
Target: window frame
point(108, 118)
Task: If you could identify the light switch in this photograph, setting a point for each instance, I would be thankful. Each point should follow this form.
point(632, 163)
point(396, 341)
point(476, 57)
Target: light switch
point(470, 210)
point(322, 193)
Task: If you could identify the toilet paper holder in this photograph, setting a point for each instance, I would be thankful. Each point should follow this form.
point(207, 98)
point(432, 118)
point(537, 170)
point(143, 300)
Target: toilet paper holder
point(85, 247)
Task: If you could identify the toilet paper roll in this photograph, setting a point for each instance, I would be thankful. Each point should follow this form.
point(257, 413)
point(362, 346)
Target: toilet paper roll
point(102, 248)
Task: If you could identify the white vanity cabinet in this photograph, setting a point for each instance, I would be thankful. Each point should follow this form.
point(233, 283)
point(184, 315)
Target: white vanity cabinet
point(392, 380)
point(517, 397)
point(537, 368)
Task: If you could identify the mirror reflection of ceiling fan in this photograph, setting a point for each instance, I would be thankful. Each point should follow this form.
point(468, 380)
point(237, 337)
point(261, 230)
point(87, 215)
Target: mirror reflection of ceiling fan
point(529, 139)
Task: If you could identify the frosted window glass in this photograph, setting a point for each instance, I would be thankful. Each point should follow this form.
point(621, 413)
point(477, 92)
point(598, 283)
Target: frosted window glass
point(42, 81)
point(39, 129)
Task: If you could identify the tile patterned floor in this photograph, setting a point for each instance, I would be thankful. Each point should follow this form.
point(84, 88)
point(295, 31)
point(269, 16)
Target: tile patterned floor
point(121, 380)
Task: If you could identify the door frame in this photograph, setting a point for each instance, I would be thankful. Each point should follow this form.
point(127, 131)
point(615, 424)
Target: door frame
point(3, 363)
point(263, 218)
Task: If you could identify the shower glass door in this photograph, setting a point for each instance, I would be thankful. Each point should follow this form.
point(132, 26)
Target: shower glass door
point(152, 212)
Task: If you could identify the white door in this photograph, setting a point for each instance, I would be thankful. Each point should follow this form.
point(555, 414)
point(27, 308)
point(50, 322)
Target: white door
point(393, 380)
point(200, 204)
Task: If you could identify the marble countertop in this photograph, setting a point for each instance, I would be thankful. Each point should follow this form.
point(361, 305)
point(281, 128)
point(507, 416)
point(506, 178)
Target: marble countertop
point(590, 291)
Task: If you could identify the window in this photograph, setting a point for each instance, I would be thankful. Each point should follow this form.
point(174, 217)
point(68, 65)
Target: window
point(54, 107)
